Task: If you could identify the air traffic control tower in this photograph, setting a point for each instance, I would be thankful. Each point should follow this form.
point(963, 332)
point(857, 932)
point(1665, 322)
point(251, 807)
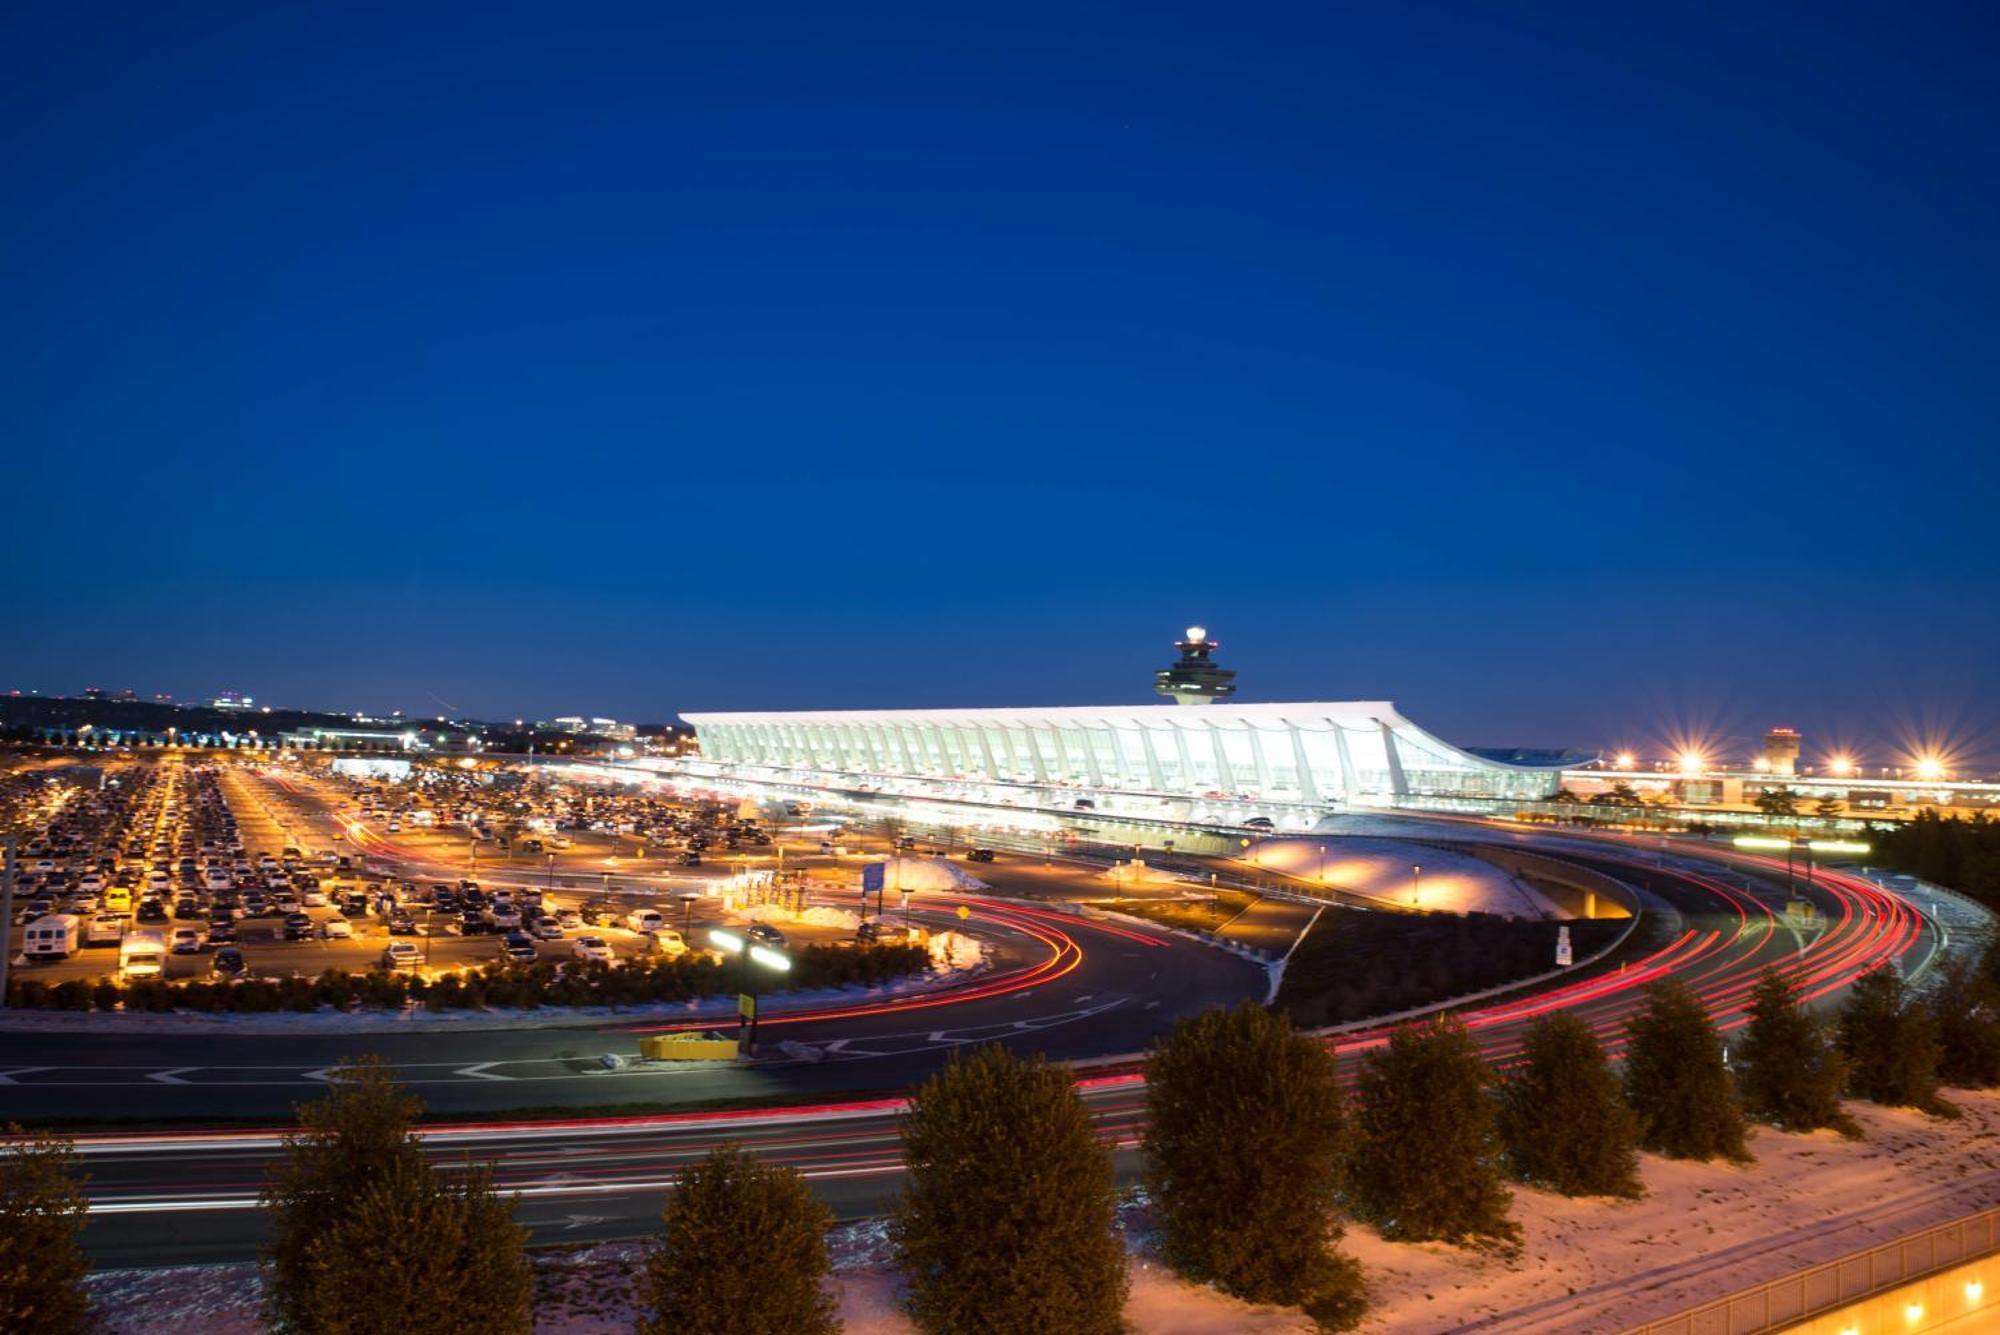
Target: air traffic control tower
point(1195, 680)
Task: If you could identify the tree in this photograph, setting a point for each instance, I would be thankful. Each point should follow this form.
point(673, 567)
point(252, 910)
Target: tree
point(1828, 807)
point(1891, 1045)
point(1563, 1115)
point(354, 1172)
point(1443, 1184)
point(1965, 1011)
point(1676, 1081)
point(1778, 802)
point(1009, 1220)
point(419, 1254)
point(1258, 1224)
point(42, 1208)
point(1791, 1074)
point(744, 1253)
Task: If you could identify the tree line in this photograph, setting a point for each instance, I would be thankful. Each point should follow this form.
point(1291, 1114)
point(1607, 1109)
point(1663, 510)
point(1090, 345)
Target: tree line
point(1010, 1221)
point(1961, 852)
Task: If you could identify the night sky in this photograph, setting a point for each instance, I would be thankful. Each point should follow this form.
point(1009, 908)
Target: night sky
point(1579, 376)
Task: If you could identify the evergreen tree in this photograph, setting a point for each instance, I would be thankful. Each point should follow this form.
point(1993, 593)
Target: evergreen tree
point(1965, 1011)
point(1009, 1223)
point(1256, 1224)
point(1563, 1115)
point(1891, 1044)
point(1442, 1182)
point(42, 1208)
point(744, 1253)
point(418, 1254)
point(1676, 1081)
point(354, 1172)
point(1791, 1073)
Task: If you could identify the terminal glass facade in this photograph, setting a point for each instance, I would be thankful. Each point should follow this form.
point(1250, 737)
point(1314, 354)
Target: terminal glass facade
point(1362, 752)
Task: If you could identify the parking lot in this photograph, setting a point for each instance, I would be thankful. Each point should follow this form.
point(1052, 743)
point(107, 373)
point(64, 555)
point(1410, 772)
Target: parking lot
point(250, 868)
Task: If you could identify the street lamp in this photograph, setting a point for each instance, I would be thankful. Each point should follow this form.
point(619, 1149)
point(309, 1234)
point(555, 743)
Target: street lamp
point(1416, 883)
point(774, 960)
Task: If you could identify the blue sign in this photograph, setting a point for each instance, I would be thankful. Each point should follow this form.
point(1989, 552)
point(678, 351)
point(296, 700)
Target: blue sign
point(872, 876)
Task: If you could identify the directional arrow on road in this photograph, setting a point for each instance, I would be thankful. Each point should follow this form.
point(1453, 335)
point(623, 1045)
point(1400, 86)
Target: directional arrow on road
point(480, 1072)
point(172, 1076)
point(7, 1076)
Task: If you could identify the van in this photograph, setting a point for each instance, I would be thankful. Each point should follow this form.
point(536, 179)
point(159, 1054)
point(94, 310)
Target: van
point(52, 936)
point(142, 955)
point(645, 920)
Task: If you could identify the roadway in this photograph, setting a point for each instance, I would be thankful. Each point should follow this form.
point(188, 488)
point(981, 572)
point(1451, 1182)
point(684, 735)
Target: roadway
point(1713, 922)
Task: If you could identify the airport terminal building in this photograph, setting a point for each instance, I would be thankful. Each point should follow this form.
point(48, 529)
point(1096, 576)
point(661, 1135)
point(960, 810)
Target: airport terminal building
point(1218, 762)
point(1314, 755)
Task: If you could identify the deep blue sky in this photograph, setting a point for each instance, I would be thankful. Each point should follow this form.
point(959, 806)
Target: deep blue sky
point(1569, 375)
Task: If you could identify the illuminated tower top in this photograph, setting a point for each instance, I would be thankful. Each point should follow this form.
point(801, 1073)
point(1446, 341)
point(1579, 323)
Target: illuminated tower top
point(1194, 680)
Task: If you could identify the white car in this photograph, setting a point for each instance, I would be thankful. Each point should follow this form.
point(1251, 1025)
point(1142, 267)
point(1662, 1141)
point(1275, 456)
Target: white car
point(187, 941)
point(400, 955)
point(548, 929)
point(570, 919)
point(338, 929)
point(592, 948)
point(313, 899)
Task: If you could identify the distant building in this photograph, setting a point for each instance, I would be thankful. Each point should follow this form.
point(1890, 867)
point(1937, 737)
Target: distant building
point(231, 700)
point(591, 727)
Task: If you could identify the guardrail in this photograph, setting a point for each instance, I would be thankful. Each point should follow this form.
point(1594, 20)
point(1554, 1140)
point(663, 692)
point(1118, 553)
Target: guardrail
point(1832, 1285)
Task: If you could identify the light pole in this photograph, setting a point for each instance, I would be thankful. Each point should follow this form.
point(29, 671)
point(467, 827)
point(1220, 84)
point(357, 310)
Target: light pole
point(552, 871)
point(1416, 883)
point(748, 954)
point(1322, 864)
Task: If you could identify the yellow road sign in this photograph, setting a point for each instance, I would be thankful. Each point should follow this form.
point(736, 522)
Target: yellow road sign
point(964, 912)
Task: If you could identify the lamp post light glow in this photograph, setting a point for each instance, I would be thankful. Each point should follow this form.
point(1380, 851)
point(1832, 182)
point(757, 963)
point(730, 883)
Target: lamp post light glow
point(1930, 768)
point(1841, 766)
point(1625, 760)
point(1693, 762)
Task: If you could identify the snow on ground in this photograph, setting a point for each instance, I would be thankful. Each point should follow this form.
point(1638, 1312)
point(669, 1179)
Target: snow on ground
point(817, 916)
point(1136, 872)
point(1703, 1230)
point(1380, 869)
point(955, 950)
point(934, 875)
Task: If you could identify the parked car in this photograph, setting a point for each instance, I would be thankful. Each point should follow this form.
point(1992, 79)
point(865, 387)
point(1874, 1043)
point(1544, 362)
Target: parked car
point(979, 855)
point(186, 941)
point(336, 929)
point(517, 946)
point(400, 955)
point(228, 963)
point(548, 929)
point(592, 948)
point(765, 934)
point(298, 927)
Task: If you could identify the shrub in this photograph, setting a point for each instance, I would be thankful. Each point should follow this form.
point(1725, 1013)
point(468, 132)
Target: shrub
point(1255, 1224)
point(42, 1263)
point(1563, 1115)
point(1676, 1080)
point(1791, 1074)
point(1009, 1220)
point(1965, 1011)
point(1444, 1184)
point(745, 1250)
point(1891, 1045)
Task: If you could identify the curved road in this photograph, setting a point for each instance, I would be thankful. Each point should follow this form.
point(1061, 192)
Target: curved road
point(1713, 920)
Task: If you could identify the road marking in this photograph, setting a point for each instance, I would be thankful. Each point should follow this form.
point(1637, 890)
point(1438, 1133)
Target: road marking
point(172, 1076)
point(480, 1072)
point(7, 1076)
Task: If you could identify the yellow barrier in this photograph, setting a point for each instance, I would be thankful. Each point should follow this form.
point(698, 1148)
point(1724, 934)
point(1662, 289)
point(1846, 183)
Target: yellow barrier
point(687, 1048)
